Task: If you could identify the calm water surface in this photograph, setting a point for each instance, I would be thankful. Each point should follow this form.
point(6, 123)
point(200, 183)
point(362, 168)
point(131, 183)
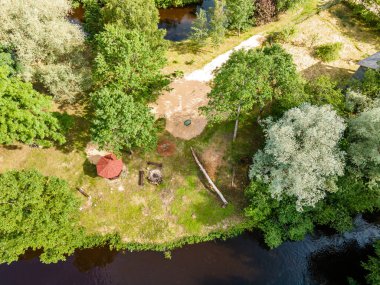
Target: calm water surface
point(243, 260)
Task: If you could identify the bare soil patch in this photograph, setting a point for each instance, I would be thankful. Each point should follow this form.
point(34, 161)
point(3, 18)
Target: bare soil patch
point(166, 148)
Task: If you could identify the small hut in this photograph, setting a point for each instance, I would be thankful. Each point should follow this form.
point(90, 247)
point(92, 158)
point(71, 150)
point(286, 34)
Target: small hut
point(372, 62)
point(109, 166)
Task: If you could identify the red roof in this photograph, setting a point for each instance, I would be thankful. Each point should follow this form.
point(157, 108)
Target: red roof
point(109, 166)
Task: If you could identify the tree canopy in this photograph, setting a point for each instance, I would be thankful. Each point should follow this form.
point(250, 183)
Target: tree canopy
point(125, 59)
point(24, 115)
point(249, 78)
point(31, 27)
point(239, 14)
point(364, 144)
point(37, 212)
point(301, 157)
point(120, 122)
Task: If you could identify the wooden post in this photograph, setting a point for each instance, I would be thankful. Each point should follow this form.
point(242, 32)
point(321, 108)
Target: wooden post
point(208, 178)
point(141, 178)
point(155, 164)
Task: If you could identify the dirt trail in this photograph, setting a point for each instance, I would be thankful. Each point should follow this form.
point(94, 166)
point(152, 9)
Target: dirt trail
point(186, 95)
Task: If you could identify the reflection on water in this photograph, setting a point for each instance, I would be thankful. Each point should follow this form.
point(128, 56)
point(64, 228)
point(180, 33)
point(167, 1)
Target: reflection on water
point(243, 260)
point(178, 21)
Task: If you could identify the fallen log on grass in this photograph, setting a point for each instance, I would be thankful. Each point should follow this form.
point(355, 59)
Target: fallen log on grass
point(82, 192)
point(155, 164)
point(208, 178)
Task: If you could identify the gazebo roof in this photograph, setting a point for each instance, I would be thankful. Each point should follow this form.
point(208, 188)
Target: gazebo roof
point(109, 166)
point(371, 61)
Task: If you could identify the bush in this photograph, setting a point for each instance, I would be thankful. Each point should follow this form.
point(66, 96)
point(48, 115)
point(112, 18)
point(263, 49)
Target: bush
point(282, 36)
point(328, 52)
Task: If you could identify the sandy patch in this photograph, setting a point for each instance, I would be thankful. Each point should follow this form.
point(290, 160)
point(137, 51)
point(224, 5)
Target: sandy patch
point(186, 95)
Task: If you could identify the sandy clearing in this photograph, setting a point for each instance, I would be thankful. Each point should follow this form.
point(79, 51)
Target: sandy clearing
point(186, 95)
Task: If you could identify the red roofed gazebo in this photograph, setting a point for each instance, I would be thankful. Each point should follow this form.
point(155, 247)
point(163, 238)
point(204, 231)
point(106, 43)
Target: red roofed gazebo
point(109, 166)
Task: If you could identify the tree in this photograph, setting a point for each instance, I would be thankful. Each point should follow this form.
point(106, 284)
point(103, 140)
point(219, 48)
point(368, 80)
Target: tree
point(323, 90)
point(301, 157)
point(218, 22)
point(23, 113)
point(37, 212)
point(199, 29)
point(121, 123)
point(250, 78)
point(57, 63)
point(239, 14)
point(364, 144)
point(373, 266)
point(125, 59)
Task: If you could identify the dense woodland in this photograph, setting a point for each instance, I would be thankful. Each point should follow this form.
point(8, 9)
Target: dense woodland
point(320, 163)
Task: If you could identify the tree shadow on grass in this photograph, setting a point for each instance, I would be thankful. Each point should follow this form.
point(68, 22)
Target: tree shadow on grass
point(322, 68)
point(89, 169)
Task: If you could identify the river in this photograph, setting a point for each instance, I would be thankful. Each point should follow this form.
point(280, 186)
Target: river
point(243, 260)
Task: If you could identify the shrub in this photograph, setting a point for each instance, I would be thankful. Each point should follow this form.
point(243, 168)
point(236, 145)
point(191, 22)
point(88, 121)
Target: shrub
point(282, 36)
point(328, 52)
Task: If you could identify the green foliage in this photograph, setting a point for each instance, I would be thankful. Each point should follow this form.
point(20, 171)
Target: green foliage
point(364, 144)
point(369, 86)
point(174, 3)
point(239, 14)
point(367, 10)
point(282, 36)
point(373, 266)
point(323, 90)
point(199, 29)
point(23, 113)
point(250, 78)
point(328, 52)
point(37, 212)
point(120, 123)
point(57, 63)
point(283, 5)
point(301, 157)
point(118, 49)
point(281, 221)
point(218, 22)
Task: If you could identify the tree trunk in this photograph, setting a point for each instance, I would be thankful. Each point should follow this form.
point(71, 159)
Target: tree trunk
point(208, 178)
point(236, 123)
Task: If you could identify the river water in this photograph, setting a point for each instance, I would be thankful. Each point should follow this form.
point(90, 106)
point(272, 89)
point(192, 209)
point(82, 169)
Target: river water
point(242, 260)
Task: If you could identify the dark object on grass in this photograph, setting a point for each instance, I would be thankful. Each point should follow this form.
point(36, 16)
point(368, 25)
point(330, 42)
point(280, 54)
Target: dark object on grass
point(155, 164)
point(187, 123)
point(155, 176)
point(141, 178)
point(166, 148)
point(82, 192)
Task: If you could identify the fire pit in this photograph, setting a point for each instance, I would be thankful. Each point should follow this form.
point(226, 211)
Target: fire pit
point(155, 176)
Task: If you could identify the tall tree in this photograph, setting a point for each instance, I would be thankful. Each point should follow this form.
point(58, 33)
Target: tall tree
point(120, 123)
point(364, 144)
point(251, 78)
point(373, 266)
point(218, 22)
point(240, 14)
point(23, 113)
point(125, 59)
point(57, 63)
point(199, 30)
point(301, 157)
point(37, 212)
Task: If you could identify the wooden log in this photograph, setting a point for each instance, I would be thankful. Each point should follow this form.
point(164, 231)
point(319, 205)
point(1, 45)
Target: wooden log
point(82, 192)
point(208, 178)
point(141, 178)
point(155, 164)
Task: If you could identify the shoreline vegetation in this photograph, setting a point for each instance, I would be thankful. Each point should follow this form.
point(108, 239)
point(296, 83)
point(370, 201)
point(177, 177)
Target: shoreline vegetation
point(181, 210)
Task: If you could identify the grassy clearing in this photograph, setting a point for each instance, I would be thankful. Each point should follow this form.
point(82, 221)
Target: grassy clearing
point(336, 25)
point(180, 207)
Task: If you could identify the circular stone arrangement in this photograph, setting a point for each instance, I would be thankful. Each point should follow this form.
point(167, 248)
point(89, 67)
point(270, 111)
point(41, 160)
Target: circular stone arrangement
point(166, 148)
point(155, 176)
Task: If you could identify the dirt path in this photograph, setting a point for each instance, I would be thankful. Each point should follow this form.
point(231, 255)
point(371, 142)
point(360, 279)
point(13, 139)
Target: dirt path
point(186, 95)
